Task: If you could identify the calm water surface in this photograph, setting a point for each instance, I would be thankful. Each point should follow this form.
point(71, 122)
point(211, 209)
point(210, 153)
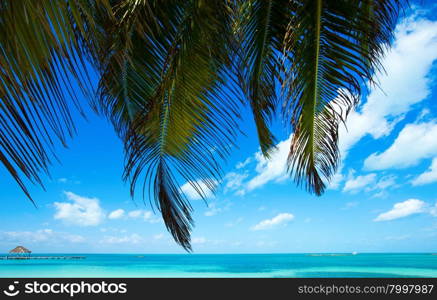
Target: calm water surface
point(226, 265)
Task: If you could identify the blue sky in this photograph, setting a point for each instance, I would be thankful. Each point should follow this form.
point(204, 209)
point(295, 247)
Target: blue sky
point(383, 198)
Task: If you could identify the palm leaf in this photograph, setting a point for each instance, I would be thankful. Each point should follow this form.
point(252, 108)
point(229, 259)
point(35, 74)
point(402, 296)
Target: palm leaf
point(39, 54)
point(173, 112)
point(262, 28)
point(331, 49)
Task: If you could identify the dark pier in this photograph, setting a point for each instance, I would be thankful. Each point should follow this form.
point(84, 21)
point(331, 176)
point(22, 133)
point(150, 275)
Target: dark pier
point(41, 257)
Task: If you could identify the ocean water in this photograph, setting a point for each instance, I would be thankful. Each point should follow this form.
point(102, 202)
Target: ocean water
point(226, 265)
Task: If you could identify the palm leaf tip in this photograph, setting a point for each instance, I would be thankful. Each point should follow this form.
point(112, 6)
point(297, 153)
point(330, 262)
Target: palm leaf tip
point(175, 211)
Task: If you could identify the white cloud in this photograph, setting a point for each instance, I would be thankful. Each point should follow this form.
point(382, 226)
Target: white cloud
point(62, 180)
point(354, 184)
point(420, 140)
point(234, 180)
point(194, 190)
point(280, 219)
point(368, 182)
point(82, 211)
point(404, 83)
point(273, 169)
point(244, 163)
point(386, 182)
point(128, 239)
point(46, 236)
point(402, 209)
point(116, 214)
point(427, 177)
point(336, 180)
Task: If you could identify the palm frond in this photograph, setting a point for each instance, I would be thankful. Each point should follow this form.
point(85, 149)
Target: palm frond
point(39, 54)
point(260, 35)
point(332, 48)
point(166, 100)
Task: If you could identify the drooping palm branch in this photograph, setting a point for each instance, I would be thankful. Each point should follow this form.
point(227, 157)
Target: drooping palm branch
point(172, 77)
point(174, 112)
point(332, 49)
point(261, 32)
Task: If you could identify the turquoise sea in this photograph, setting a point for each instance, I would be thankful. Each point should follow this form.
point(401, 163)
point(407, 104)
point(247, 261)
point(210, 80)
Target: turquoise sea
point(226, 265)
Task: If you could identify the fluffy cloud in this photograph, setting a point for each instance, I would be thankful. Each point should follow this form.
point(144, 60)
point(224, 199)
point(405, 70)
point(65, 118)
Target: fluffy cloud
point(354, 184)
point(196, 189)
point(428, 176)
point(419, 139)
point(404, 83)
point(402, 209)
point(235, 181)
point(386, 182)
point(81, 211)
point(273, 169)
point(368, 182)
point(46, 236)
point(280, 219)
point(267, 170)
point(116, 214)
point(336, 180)
point(244, 163)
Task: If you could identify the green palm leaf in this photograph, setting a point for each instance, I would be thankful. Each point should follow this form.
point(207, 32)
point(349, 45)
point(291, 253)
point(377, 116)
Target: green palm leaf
point(332, 48)
point(262, 28)
point(39, 53)
point(173, 113)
